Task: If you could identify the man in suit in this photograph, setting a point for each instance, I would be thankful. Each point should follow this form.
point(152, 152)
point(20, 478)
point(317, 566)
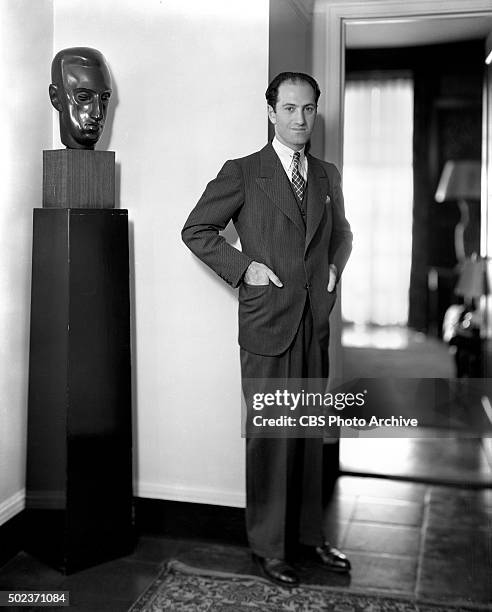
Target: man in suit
point(287, 208)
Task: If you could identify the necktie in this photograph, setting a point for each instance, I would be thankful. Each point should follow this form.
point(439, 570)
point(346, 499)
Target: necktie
point(297, 181)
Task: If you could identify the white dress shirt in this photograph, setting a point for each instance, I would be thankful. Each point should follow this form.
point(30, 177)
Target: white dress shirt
point(286, 155)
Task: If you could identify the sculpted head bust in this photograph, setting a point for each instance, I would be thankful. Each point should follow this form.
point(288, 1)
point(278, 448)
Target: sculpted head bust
point(80, 92)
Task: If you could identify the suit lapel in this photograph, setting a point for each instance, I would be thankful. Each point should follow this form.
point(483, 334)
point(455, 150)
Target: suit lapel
point(274, 182)
point(316, 197)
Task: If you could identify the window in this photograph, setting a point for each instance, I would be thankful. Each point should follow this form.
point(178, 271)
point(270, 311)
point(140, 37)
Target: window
point(378, 189)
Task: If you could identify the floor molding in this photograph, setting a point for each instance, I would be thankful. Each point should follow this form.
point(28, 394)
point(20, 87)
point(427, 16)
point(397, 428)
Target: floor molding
point(215, 497)
point(12, 506)
point(177, 519)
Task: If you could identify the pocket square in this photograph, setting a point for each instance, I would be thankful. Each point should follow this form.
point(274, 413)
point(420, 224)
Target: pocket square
point(328, 199)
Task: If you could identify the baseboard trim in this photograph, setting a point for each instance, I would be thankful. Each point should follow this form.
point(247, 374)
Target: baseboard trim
point(214, 497)
point(12, 506)
point(177, 519)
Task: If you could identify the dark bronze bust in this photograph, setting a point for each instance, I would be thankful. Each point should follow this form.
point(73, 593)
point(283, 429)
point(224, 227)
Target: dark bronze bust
point(80, 92)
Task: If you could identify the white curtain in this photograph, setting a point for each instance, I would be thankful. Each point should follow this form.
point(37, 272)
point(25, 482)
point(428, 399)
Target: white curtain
point(377, 184)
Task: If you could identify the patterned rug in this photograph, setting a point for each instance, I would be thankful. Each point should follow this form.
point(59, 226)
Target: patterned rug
point(181, 588)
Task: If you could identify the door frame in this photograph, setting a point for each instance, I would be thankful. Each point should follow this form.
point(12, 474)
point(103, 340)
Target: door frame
point(330, 19)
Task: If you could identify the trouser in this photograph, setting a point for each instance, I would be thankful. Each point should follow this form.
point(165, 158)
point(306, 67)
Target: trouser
point(284, 475)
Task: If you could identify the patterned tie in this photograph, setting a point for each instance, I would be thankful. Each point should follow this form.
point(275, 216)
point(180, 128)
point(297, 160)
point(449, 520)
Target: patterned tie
point(297, 180)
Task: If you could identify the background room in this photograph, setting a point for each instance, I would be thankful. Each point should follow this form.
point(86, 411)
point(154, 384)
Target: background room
point(413, 103)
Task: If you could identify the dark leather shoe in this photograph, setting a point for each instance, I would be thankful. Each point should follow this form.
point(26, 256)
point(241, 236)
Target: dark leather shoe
point(331, 558)
point(277, 570)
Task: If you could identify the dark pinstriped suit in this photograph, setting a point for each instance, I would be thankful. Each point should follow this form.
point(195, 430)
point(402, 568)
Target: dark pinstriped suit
point(282, 331)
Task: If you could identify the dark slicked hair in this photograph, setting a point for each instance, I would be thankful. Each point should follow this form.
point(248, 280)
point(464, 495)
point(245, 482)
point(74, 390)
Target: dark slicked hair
point(271, 93)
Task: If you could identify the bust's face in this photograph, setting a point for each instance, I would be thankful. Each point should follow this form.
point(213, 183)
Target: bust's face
point(83, 104)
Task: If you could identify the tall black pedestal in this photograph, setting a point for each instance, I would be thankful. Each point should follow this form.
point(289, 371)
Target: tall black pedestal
point(79, 464)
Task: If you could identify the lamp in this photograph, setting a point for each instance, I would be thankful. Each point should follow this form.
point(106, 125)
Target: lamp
point(460, 181)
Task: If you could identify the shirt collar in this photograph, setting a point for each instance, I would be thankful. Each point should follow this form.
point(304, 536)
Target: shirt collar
point(286, 153)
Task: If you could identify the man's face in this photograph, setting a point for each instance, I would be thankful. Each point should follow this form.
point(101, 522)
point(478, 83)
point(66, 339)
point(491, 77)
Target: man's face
point(84, 103)
point(294, 113)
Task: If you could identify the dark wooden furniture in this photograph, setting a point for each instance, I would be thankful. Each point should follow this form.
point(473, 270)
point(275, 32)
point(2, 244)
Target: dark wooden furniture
point(77, 178)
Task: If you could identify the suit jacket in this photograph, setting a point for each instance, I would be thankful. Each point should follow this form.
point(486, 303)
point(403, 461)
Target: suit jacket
point(255, 193)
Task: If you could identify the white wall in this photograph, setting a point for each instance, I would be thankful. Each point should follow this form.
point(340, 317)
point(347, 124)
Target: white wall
point(189, 80)
point(26, 33)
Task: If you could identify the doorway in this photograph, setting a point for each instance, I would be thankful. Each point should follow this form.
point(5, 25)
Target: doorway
point(411, 460)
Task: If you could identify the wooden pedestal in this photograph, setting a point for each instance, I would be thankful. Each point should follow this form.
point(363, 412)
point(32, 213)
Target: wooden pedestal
point(78, 178)
point(79, 464)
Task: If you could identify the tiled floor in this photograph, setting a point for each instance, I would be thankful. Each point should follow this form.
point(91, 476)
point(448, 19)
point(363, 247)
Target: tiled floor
point(433, 542)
